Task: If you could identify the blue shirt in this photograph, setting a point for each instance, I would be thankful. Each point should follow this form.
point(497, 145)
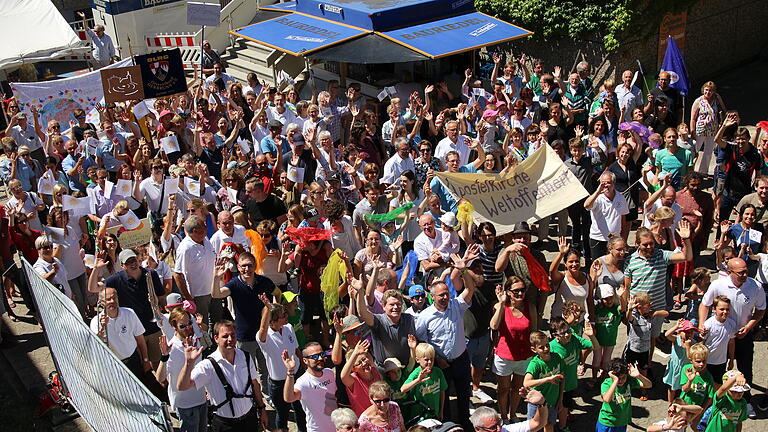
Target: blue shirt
point(248, 307)
point(444, 330)
point(74, 181)
point(106, 152)
point(24, 173)
point(268, 146)
point(447, 201)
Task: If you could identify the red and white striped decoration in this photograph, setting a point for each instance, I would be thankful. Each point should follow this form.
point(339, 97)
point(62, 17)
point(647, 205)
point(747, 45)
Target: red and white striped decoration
point(162, 41)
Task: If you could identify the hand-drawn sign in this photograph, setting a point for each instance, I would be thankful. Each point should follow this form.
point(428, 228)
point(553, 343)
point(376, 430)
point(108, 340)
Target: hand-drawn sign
point(122, 84)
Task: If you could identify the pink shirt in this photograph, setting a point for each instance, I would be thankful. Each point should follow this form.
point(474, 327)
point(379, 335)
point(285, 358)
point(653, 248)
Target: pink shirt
point(358, 392)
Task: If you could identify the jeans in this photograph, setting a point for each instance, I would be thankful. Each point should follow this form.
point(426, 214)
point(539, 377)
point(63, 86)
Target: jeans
point(193, 419)
point(283, 408)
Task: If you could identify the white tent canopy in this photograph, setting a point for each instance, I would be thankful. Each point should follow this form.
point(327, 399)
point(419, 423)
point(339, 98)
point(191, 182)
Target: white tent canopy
point(33, 31)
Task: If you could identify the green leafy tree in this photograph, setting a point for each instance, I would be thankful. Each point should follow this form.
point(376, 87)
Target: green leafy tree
point(608, 19)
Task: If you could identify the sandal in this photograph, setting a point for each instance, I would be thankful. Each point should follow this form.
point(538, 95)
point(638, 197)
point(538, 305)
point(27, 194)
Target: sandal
point(11, 304)
point(582, 369)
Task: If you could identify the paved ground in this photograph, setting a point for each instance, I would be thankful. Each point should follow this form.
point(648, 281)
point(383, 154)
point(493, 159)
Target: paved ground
point(24, 368)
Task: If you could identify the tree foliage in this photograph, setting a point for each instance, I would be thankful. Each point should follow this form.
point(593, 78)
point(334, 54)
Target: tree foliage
point(608, 19)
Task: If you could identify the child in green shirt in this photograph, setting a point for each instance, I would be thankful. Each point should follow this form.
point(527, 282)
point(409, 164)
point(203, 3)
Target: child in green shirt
point(427, 383)
point(697, 383)
point(395, 374)
point(569, 347)
point(545, 374)
point(606, 318)
point(616, 411)
point(729, 408)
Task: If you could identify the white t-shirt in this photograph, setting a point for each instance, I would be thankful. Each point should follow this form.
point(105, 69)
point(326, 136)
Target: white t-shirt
point(236, 374)
point(744, 299)
point(606, 216)
point(180, 399)
point(153, 194)
point(169, 331)
point(196, 262)
point(121, 331)
point(517, 427)
point(42, 267)
point(762, 270)
point(717, 339)
point(318, 398)
point(238, 236)
point(276, 343)
point(443, 242)
point(445, 145)
point(28, 207)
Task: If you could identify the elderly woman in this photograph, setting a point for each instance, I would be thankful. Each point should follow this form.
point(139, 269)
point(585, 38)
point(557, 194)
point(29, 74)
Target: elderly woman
point(50, 268)
point(705, 122)
point(384, 414)
point(27, 203)
point(345, 420)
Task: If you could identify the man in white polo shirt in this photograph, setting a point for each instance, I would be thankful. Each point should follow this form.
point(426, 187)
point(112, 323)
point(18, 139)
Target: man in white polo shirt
point(608, 210)
point(121, 329)
point(195, 260)
point(747, 309)
point(432, 246)
point(229, 233)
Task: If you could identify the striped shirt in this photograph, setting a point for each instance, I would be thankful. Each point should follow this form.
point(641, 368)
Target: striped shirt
point(488, 261)
point(649, 275)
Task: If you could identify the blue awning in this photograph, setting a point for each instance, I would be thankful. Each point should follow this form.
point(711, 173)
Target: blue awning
point(453, 35)
point(299, 34)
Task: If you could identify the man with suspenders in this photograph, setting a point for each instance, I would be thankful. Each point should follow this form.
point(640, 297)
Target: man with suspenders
point(230, 378)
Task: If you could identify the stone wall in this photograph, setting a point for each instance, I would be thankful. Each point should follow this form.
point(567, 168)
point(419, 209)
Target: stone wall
point(720, 34)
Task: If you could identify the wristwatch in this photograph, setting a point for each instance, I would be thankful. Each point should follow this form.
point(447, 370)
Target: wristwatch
point(145, 359)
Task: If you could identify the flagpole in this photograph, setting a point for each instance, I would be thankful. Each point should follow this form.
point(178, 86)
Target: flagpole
point(645, 83)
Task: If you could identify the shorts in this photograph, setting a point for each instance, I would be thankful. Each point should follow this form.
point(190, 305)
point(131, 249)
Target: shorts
point(599, 427)
point(504, 367)
point(153, 346)
point(313, 306)
point(551, 413)
point(478, 349)
point(719, 186)
point(656, 324)
point(641, 358)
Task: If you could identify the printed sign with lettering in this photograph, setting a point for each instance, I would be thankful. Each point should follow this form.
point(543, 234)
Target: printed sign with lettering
point(162, 73)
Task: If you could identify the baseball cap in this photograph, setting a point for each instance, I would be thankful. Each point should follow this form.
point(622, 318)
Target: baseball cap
point(736, 388)
point(173, 299)
point(311, 214)
point(23, 150)
point(415, 290)
point(125, 255)
point(606, 290)
point(490, 113)
point(391, 363)
point(275, 124)
point(336, 176)
point(686, 325)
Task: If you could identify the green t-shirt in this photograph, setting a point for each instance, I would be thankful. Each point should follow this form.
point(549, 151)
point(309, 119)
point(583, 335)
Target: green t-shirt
point(726, 414)
point(607, 321)
point(428, 391)
point(676, 164)
point(702, 387)
point(539, 369)
point(398, 396)
point(570, 353)
point(618, 412)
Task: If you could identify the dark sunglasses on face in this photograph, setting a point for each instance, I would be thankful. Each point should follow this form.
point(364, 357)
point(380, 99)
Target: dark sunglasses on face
point(317, 356)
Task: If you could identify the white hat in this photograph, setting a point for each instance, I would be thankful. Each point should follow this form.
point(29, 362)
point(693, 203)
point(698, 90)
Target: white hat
point(448, 219)
point(606, 290)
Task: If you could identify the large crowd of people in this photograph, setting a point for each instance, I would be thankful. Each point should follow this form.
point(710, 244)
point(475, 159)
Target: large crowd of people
point(304, 255)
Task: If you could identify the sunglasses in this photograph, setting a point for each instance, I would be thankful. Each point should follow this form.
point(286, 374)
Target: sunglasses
point(183, 326)
point(157, 167)
point(46, 247)
point(381, 401)
point(518, 291)
point(21, 221)
point(317, 356)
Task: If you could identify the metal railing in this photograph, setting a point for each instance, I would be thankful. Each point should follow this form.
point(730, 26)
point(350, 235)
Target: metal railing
point(102, 389)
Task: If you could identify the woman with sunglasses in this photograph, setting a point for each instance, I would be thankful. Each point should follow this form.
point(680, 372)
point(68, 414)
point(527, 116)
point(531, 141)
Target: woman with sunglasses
point(513, 322)
point(384, 414)
point(23, 237)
